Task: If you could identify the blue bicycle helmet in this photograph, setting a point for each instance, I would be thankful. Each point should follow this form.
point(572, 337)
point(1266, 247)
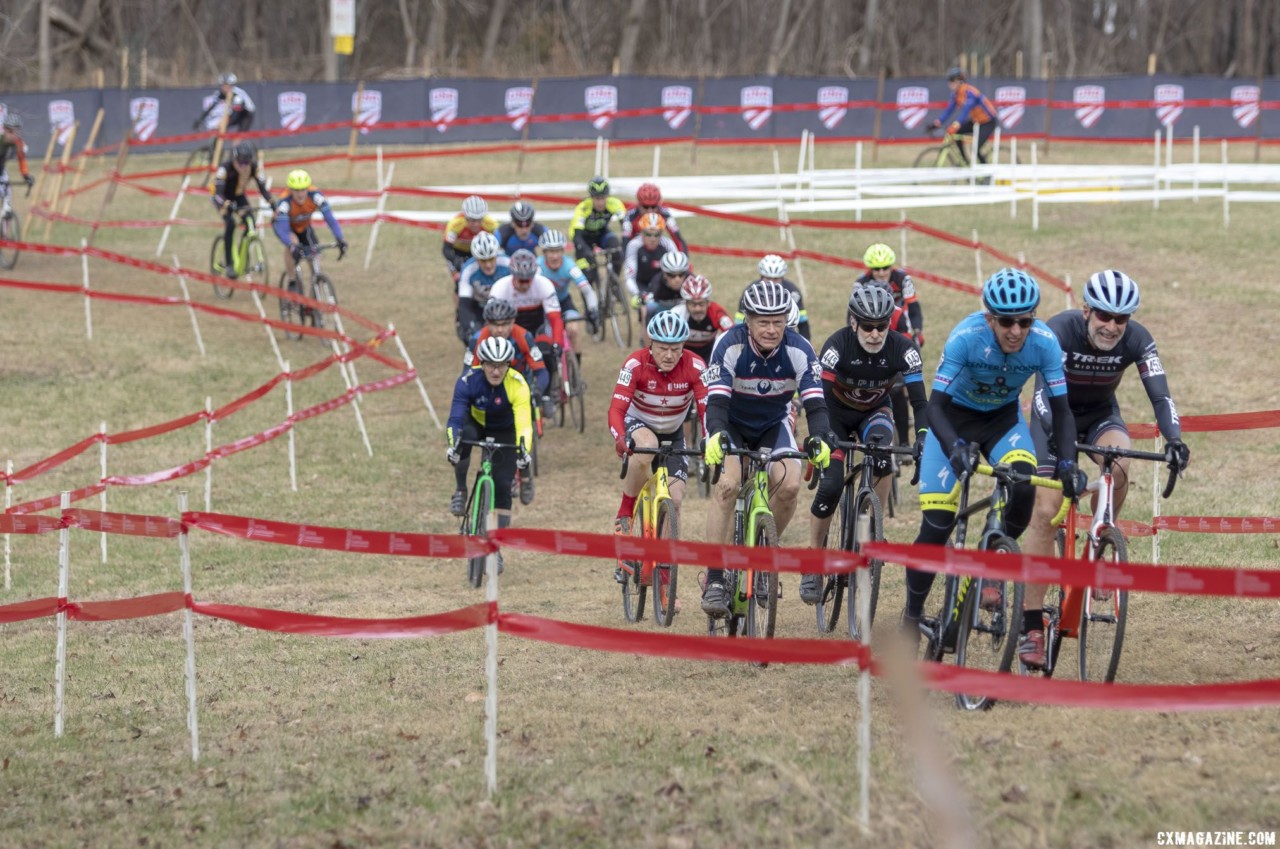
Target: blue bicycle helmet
point(669, 328)
point(1010, 292)
point(1112, 291)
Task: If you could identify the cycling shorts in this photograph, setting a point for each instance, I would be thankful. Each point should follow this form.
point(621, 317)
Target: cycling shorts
point(1090, 425)
point(1003, 436)
point(677, 464)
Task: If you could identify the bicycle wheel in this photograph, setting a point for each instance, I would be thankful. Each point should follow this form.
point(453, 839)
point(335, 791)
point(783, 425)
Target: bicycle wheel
point(10, 232)
point(634, 591)
point(619, 315)
point(929, 157)
point(537, 437)
point(478, 525)
point(201, 158)
point(218, 269)
point(575, 401)
point(988, 638)
point(256, 260)
point(290, 311)
point(664, 574)
point(868, 526)
point(762, 602)
point(322, 290)
point(606, 309)
point(1102, 622)
point(839, 538)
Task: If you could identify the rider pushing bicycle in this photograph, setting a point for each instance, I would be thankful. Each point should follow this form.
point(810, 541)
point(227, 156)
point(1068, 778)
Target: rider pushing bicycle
point(293, 220)
point(967, 108)
point(1100, 342)
point(233, 99)
point(974, 405)
point(755, 369)
point(229, 196)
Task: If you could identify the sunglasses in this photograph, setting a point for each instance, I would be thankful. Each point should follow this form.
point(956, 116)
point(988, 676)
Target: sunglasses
point(1105, 317)
point(878, 327)
point(528, 223)
point(651, 234)
point(882, 268)
point(1007, 322)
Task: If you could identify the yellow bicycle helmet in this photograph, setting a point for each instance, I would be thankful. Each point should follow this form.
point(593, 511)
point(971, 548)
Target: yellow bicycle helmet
point(879, 256)
point(298, 180)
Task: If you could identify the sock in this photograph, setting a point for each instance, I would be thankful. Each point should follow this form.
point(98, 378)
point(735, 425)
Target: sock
point(1032, 620)
point(504, 520)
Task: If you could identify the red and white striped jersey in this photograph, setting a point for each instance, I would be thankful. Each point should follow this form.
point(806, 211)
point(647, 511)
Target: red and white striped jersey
point(660, 400)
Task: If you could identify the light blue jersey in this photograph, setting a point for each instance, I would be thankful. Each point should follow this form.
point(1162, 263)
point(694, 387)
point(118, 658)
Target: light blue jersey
point(978, 375)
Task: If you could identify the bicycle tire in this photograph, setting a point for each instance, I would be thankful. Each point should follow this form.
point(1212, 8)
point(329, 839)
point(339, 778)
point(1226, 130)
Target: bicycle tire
point(201, 158)
point(10, 231)
point(322, 290)
point(219, 270)
point(256, 266)
point(827, 610)
point(577, 393)
point(1102, 630)
point(868, 504)
point(606, 306)
point(290, 311)
point(762, 619)
point(619, 314)
point(533, 449)
point(633, 591)
point(930, 157)
point(989, 639)
point(665, 574)
point(478, 525)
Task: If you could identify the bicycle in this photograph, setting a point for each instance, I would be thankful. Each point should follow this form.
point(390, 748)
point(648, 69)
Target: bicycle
point(320, 288)
point(479, 515)
point(981, 635)
point(699, 472)
point(202, 158)
point(861, 520)
point(10, 225)
point(1095, 618)
point(753, 593)
point(572, 389)
point(248, 255)
point(655, 517)
point(615, 310)
point(951, 153)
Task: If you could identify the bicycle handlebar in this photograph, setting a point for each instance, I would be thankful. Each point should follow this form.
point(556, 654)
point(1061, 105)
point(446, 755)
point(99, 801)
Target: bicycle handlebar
point(760, 455)
point(1005, 473)
point(664, 449)
point(1113, 452)
point(488, 444)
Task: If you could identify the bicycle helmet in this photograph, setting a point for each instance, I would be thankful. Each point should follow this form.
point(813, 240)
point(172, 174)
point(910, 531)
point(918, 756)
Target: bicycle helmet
point(879, 256)
point(298, 180)
point(1010, 292)
point(1112, 291)
point(598, 187)
point(674, 262)
point(495, 349)
point(484, 245)
point(497, 309)
point(12, 121)
point(695, 288)
point(668, 327)
point(870, 303)
point(766, 297)
point(651, 221)
point(648, 195)
point(474, 208)
point(955, 73)
point(522, 212)
point(228, 79)
point(524, 265)
point(245, 152)
point(551, 240)
point(772, 267)
point(793, 315)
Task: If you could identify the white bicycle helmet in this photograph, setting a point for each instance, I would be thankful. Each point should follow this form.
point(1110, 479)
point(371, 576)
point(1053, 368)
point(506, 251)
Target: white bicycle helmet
point(675, 262)
point(484, 245)
point(495, 349)
point(552, 240)
point(475, 207)
point(1112, 291)
point(772, 267)
point(793, 316)
point(524, 265)
point(766, 297)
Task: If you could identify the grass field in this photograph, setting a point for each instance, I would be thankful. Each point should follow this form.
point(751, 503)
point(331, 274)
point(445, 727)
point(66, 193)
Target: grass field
point(326, 742)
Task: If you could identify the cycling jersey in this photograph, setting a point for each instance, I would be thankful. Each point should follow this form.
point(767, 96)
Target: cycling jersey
point(703, 332)
point(528, 360)
point(904, 295)
point(510, 241)
point(12, 149)
point(474, 283)
point(752, 390)
point(642, 266)
point(968, 104)
point(658, 399)
point(629, 228)
point(803, 326)
point(592, 224)
point(535, 306)
point(458, 233)
point(853, 378)
point(227, 184)
point(293, 217)
point(978, 375)
point(500, 407)
point(242, 110)
point(567, 275)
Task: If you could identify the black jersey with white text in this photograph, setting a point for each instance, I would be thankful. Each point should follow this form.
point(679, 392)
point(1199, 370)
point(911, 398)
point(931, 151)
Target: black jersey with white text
point(859, 380)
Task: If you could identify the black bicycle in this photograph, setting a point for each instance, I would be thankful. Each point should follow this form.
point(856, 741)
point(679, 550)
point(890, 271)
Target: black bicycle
point(614, 310)
point(10, 225)
point(318, 287)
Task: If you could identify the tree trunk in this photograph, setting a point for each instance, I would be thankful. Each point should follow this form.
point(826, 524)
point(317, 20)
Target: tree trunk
point(46, 59)
point(409, 24)
point(630, 37)
point(1033, 34)
point(436, 34)
point(497, 12)
point(870, 31)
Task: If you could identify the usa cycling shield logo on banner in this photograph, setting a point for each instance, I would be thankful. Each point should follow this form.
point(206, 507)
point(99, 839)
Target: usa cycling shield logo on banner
point(368, 109)
point(62, 117)
point(518, 101)
point(144, 115)
point(1244, 104)
point(1169, 103)
point(1011, 105)
point(757, 105)
point(913, 105)
point(1089, 100)
point(444, 107)
point(677, 105)
point(602, 104)
point(831, 105)
point(292, 106)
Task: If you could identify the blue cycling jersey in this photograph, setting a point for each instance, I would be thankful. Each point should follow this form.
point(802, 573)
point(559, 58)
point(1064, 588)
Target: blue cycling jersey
point(978, 375)
point(474, 283)
point(759, 386)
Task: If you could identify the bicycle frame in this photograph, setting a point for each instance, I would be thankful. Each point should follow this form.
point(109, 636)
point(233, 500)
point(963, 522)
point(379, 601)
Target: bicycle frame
point(655, 492)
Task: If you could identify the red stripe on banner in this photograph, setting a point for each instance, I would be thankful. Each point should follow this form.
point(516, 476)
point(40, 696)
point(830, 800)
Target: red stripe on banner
point(37, 469)
point(20, 611)
point(16, 523)
point(155, 430)
point(611, 546)
point(126, 608)
point(126, 524)
point(285, 622)
point(159, 477)
point(1206, 424)
point(1027, 568)
point(1219, 524)
point(340, 539)
point(55, 500)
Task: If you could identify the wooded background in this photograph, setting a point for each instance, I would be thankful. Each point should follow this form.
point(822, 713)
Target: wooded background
point(69, 43)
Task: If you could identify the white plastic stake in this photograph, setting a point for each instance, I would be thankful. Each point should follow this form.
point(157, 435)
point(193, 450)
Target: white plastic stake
point(60, 667)
point(1155, 174)
point(599, 155)
point(173, 213)
point(804, 151)
point(1155, 499)
point(188, 635)
point(1226, 193)
point(857, 182)
point(657, 159)
point(977, 258)
point(102, 496)
point(1035, 190)
point(271, 336)
point(84, 269)
point(491, 672)
point(186, 296)
point(777, 179)
point(863, 579)
point(422, 390)
point(378, 163)
point(382, 208)
point(1013, 177)
point(208, 449)
point(605, 172)
point(1168, 158)
point(288, 406)
point(813, 162)
point(8, 502)
point(355, 398)
point(1195, 164)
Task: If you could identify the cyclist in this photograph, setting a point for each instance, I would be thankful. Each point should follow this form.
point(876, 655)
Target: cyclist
point(12, 146)
point(462, 228)
point(879, 260)
point(653, 395)
point(649, 199)
point(967, 108)
point(537, 310)
point(485, 267)
point(500, 321)
point(521, 231)
point(643, 261)
point(492, 400)
point(860, 364)
point(754, 371)
point(1100, 342)
point(986, 360)
point(233, 98)
point(773, 267)
point(229, 196)
point(293, 220)
point(706, 319)
point(589, 229)
point(563, 274)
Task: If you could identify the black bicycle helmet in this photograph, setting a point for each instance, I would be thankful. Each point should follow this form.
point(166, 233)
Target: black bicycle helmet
point(522, 212)
point(244, 152)
point(870, 303)
point(598, 187)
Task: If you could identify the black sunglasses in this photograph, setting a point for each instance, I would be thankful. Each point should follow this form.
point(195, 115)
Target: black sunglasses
point(1118, 318)
point(1006, 322)
point(878, 327)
